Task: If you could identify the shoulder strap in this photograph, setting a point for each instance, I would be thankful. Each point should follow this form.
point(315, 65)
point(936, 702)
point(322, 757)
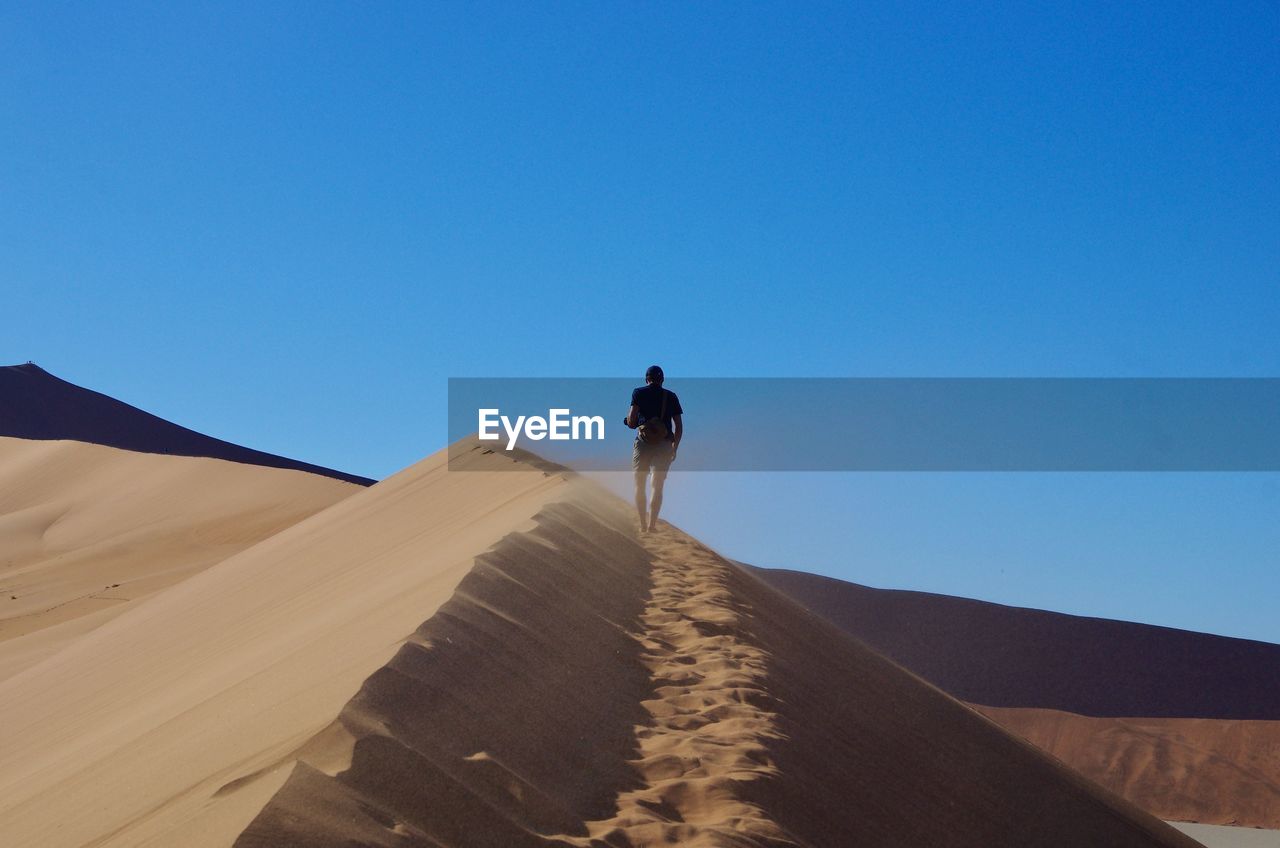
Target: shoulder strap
point(662, 415)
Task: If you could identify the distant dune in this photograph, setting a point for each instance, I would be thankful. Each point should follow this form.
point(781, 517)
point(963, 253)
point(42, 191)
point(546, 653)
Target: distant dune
point(1204, 770)
point(102, 505)
point(1180, 723)
point(86, 531)
point(455, 658)
point(34, 404)
point(154, 727)
point(1013, 657)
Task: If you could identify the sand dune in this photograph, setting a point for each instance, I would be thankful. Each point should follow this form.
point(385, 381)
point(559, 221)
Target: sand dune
point(527, 711)
point(1004, 656)
point(586, 687)
point(1190, 754)
point(496, 659)
point(87, 530)
point(1199, 770)
point(34, 404)
point(421, 665)
point(163, 726)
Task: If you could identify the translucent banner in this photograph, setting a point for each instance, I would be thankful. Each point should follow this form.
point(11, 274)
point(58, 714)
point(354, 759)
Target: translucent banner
point(889, 424)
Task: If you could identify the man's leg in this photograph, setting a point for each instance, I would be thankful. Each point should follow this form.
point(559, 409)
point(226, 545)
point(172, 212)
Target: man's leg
point(659, 478)
point(641, 475)
point(642, 472)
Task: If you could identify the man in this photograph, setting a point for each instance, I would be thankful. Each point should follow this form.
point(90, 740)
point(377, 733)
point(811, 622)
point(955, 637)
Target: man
point(656, 413)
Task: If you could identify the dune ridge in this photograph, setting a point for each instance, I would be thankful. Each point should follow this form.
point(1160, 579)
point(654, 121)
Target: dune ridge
point(586, 687)
point(711, 716)
point(436, 740)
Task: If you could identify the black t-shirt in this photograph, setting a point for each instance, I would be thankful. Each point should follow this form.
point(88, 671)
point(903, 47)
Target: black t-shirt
point(648, 402)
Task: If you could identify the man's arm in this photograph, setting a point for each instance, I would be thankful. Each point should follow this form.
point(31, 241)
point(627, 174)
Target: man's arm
point(633, 417)
point(678, 420)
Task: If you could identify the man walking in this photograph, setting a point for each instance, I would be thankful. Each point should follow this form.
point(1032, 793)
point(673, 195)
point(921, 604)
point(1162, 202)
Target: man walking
point(657, 417)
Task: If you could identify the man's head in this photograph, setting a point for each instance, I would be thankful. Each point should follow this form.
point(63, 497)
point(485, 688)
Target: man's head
point(653, 375)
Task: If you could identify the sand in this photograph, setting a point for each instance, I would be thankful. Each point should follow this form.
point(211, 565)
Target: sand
point(1004, 656)
point(1217, 836)
point(1205, 745)
point(86, 531)
point(585, 686)
point(128, 734)
point(498, 659)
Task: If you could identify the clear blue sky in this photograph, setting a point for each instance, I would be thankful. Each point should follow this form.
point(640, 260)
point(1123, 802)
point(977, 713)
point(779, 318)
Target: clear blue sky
point(287, 224)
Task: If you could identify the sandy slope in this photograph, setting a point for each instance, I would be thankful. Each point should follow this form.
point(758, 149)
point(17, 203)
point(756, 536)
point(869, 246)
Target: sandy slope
point(422, 664)
point(1200, 759)
point(129, 733)
point(1199, 770)
point(1004, 656)
point(87, 529)
point(586, 687)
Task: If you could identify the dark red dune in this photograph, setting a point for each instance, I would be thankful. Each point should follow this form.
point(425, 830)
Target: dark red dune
point(1181, 724)
point(1003, 656)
